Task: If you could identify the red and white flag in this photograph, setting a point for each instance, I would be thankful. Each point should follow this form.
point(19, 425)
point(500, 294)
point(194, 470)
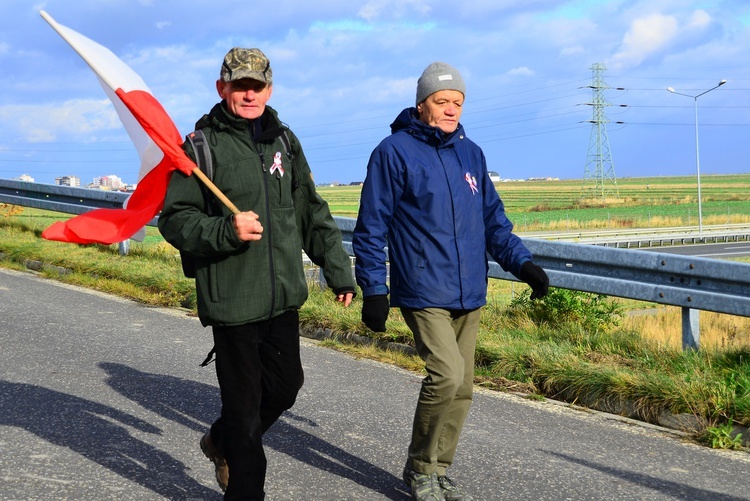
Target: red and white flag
point(154, 135)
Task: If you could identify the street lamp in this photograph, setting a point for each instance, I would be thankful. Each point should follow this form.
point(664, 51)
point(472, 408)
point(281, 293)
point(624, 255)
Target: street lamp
point(697, 155)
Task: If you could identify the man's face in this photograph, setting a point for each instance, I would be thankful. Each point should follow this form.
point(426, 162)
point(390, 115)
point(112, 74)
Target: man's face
point(442, 110)
point(245, 98)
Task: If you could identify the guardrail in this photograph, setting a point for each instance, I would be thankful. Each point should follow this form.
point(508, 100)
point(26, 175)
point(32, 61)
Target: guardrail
point(691, 283)
point(628, 232)
point(65, 199)
point(651, 237)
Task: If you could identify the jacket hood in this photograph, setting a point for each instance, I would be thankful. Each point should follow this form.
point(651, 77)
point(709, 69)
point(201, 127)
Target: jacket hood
point(408, 121)
point(264, 128)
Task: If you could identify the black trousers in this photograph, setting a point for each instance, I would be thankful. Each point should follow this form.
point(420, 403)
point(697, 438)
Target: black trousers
point(260, 373)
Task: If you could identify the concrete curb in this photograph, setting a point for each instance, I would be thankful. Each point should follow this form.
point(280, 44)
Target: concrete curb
point(684, 425)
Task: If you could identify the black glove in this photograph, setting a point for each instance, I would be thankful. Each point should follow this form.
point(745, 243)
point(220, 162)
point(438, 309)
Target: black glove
point(375, 312)
point(536, 278)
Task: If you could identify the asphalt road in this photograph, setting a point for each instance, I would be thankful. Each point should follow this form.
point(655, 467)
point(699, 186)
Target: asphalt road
point(103, 399)
point(715, 251)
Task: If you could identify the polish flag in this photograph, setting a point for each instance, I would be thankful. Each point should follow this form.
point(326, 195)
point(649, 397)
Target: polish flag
point(154, 135)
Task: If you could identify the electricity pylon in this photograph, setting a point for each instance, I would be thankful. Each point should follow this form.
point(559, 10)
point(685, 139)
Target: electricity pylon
point(599, 175)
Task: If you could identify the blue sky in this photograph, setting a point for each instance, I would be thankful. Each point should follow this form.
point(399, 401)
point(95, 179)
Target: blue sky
point(344, 70)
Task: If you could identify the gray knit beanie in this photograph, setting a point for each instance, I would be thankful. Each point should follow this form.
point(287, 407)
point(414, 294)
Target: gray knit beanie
point(439, 76)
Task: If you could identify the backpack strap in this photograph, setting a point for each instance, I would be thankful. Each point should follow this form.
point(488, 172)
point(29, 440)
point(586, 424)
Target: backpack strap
point(205, 163)
point(210, 357)
point(287, 145)
point(203, 160)
point(202, 153)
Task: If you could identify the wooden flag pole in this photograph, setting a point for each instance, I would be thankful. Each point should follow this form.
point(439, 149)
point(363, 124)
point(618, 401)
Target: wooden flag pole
point(216, 191)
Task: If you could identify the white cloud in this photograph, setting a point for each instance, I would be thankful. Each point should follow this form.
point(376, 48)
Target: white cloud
point(699, 19)
point(523, 71)
point(572, 51)
point(75, 119)
point(376, 9)
point(343, 25)
point(160, 25)
point(384, 91)
point(646, 36)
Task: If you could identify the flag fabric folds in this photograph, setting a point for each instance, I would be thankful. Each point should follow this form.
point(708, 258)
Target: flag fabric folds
point(154, 135)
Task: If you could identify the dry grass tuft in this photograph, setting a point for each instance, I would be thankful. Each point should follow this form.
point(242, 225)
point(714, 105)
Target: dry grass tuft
point(717, 331)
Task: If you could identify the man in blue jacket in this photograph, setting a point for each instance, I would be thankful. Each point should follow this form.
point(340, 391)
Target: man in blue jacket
point(428, 198)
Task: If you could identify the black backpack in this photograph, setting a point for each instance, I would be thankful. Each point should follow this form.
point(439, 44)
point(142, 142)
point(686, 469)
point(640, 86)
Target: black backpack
point(204, 162)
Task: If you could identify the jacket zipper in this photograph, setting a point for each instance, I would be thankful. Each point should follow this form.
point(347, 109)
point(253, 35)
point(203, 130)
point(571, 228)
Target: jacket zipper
point(268, 235)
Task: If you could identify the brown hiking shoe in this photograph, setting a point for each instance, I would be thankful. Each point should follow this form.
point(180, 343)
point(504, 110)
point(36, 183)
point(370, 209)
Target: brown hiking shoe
point(220, 464)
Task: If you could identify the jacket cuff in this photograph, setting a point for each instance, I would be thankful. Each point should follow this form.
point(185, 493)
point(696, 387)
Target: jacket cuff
point(516, 272)
point(344, 290)
point(375, 290)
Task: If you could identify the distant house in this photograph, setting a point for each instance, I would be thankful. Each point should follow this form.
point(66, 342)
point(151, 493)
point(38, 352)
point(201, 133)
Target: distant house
point(110, 182)
point(494, 176)
point(74, 181)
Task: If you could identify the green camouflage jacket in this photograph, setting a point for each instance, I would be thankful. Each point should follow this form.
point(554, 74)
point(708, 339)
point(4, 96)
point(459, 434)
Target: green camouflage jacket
point(241, 282)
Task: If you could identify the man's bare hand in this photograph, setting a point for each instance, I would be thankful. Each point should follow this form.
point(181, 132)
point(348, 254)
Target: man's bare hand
point(345, 298)
point(247, 226)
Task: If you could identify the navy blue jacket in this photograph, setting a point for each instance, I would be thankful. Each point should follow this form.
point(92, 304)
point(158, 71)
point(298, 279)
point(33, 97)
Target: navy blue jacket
point(428, 198)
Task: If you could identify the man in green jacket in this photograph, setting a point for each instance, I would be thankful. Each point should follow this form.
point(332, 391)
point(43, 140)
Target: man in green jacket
point(249, 278)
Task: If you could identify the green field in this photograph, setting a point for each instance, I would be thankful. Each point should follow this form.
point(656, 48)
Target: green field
point(641, 202)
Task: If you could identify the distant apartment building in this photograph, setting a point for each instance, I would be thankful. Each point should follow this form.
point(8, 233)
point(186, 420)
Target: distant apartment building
point(110, 182)
point(24, 177)
point(74, 181)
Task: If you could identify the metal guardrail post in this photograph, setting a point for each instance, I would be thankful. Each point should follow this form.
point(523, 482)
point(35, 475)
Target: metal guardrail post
point(690, 329)
point(322, 280)
point(124, 247)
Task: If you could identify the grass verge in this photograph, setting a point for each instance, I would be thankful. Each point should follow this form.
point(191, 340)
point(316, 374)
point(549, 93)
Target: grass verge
point(583, 353)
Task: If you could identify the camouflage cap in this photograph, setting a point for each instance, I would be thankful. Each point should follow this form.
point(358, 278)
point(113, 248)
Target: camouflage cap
point(246, 63)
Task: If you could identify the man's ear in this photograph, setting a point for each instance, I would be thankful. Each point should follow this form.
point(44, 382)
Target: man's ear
point(221, 87)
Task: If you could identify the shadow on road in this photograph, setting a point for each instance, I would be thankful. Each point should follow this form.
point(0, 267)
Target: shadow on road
point(196, 405)
point(87, 427)
point(679, 491)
